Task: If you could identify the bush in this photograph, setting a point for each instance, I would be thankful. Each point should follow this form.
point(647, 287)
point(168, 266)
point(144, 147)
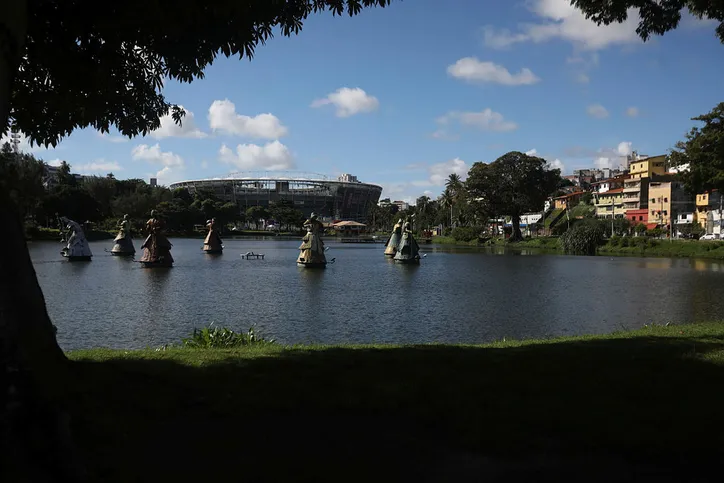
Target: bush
point(465, 233)
point(222, 338)
point(582, 238)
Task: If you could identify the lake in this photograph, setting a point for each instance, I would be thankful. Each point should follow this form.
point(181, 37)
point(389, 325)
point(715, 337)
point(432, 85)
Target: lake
point(463, 295)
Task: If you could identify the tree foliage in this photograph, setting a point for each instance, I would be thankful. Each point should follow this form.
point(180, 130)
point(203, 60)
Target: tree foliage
point(656, 16)
point(103, 64)
point(21, 176)
point(582, 238)
point(703, 152)
point(512, 185)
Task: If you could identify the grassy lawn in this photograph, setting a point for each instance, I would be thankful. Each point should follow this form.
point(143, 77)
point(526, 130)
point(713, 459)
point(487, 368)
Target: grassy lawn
point(636, 406)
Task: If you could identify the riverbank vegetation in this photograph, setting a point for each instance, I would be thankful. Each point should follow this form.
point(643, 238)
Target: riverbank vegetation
point(623, 403)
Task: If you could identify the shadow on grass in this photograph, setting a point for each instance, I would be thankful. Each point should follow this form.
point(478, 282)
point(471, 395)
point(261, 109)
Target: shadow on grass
point(636, 409)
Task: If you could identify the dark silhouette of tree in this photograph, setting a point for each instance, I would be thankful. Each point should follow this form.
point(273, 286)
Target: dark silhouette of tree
point(656, 16)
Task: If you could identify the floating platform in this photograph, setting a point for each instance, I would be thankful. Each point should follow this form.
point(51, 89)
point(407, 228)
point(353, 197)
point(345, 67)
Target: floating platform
point(214, 251)
point(122, 254)
point(407, 261)
point(252, 256)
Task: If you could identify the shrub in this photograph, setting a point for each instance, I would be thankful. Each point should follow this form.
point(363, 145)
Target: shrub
point(465, 233)
point(222, 338)
point(582, 238)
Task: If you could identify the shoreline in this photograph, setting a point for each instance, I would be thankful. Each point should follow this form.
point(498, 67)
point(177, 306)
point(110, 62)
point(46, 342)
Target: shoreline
point(651, 248)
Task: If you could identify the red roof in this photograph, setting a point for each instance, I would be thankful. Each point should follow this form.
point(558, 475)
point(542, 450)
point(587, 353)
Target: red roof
point(570, 195)
point(617, 190)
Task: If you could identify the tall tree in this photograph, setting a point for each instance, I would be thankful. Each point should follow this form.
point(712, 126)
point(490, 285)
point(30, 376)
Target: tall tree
point(656, 16)
point(75, 63)
point(703, 153)
point(512, 185)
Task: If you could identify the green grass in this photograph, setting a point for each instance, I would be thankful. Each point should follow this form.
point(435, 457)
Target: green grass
point(448, 240)
point(666, 248)
point(593, 408)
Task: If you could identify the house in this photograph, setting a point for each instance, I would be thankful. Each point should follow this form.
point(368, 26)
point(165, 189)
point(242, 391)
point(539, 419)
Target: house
point(709, 211)
point(348, 227)
point(610, 204)
point(568, 200)
point(638, 217)
point(668, 199)
point(609, 183)
point(635, 193)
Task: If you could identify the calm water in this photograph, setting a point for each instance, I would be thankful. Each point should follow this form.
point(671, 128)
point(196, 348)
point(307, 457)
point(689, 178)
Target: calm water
point(454, 296)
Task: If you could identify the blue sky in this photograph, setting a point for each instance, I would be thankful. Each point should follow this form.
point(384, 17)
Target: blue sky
point(405, 95)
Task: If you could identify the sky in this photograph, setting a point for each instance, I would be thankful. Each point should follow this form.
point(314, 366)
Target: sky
point(406, 95)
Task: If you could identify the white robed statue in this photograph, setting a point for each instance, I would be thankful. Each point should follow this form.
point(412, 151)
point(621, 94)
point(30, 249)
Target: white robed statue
point(394, 240)
point(77, 248)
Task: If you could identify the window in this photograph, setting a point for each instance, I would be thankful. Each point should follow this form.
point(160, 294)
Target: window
point(641, 218)
point(653, 212)
point(666, 200)
point(664, 212)
point(653, 200)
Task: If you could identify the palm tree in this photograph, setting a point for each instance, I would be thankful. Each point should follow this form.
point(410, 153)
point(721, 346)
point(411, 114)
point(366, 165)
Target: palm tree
point(447, 200)
point(454, 184)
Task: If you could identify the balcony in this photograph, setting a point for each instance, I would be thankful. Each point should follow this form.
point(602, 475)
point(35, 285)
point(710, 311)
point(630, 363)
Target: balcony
point(632, 188)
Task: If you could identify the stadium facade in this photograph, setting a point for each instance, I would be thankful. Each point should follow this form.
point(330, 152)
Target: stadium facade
point(344, 198)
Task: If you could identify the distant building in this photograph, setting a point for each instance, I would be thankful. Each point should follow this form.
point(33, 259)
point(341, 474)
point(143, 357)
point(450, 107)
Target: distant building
point(708, 214)
point(609, 204)
point(401, 205)
point(567, 201)
point(347, 178)
point(153, 181)
point(50, 179)
point(645, 167)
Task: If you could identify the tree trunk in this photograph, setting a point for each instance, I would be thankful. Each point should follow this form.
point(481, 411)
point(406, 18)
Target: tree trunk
point(35, 444)
point(516, 235)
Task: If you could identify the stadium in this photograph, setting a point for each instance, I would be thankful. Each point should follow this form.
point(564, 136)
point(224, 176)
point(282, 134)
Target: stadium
point(342, 199)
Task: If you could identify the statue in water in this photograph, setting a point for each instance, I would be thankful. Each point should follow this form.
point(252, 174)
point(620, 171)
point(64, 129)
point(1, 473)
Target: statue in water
point(156, 248)
point(408, 250)
point(311, 251)
point(124, 242)
point(77, 248)
point(394, 240)
point(212, 243)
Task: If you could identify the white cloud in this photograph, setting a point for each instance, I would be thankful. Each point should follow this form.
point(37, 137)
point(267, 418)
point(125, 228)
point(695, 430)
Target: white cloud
point(349, 101)
point(99, 165)
point(439, 172)
point(532, 152)
point(168, 175)
point(112, 139)
point(54, 162)
point(473, 70)
point(187, 129)
point(557, 164)
point(486, 120)
point(632, 112)
point(223, 117)
point(204, 164)
point(582, 78)
point(597, 111)
point(154, 155)
point(272, 156)
point(612, 157)
point(624, 148)
point(560, 20)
